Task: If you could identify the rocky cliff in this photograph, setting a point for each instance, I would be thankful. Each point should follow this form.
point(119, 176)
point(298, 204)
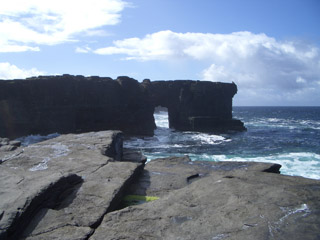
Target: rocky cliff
point(74, 104)
point(70, 104)
point(196, 105)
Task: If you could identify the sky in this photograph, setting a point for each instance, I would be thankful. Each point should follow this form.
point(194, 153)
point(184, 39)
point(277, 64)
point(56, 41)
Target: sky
point(270, 49)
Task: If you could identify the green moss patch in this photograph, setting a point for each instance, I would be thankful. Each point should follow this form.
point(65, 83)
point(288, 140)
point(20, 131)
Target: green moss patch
point(129, 200)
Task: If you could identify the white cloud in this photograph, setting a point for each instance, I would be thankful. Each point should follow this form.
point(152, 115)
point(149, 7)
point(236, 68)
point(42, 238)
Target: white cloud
point(256, 62)
point(25, 23)
point(83, 49)
point(10, 71)
point(300, 80)
point(17, 48)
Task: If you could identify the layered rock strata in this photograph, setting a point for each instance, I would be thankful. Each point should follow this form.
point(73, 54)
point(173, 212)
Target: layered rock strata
point(75, 104)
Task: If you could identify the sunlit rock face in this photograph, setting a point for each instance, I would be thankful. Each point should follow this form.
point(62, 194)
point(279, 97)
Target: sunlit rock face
point(74, 104)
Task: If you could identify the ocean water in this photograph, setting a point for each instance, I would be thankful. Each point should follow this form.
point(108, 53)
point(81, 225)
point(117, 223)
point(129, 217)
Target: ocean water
point(289, 136)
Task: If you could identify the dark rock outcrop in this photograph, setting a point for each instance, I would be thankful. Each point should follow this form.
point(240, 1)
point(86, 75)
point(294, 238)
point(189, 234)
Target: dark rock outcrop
point(196, 105)
point(74, 104)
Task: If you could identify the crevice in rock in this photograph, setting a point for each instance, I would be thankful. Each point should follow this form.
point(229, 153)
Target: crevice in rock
point(66, 197)
point(20, 181)
point(51, 230)
point(192, 177)
point(119, 195)
point(229, 176)
point(115, 149)
point(101, 166)
point(49, 198)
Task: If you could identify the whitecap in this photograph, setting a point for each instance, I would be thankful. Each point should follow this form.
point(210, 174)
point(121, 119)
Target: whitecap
point(304, 164)
point(209, 139)
point(284, 123)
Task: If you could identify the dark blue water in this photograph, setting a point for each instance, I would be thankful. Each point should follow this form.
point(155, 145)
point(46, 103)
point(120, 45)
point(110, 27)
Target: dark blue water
point(289, 136)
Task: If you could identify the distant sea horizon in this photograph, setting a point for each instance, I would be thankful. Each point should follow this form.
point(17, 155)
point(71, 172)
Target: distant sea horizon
point(276, 106)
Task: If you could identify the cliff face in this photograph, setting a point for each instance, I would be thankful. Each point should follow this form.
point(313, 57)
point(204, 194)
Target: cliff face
point(196, 105)
point(67, 104)
point(70, 104)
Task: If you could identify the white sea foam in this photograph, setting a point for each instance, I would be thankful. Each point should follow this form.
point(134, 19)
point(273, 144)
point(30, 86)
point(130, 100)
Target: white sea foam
point(303, 164)
point(166, 135)
point(209, 139)
point(297, 161)
point(284, 123)
point(161, 119)
point(165, 138)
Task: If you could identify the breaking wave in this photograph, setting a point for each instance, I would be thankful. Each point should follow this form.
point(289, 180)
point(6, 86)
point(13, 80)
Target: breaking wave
point(283, 135)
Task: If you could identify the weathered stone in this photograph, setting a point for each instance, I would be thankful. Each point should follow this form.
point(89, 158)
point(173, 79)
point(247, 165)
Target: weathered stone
point(15, 143)
point(61, 188)
point(166, 174)
point(4, 141)
point(7, 148)
point(6, 145)
point(205, 200)
point(75, 104)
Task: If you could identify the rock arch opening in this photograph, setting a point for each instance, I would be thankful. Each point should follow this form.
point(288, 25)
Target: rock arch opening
point(161, 117)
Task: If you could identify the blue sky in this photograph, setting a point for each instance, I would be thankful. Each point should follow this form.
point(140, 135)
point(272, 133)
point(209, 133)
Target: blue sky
point(270, 49)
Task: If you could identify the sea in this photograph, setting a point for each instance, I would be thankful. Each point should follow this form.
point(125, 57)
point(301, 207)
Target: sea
point(289, 136)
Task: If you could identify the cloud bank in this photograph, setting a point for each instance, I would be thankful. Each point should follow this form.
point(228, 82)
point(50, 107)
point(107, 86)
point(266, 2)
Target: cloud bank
point(10, 71)
point(261, 65)
point(26, 24)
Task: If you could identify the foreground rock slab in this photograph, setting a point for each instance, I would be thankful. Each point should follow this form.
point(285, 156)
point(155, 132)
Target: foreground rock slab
point(71, 187)
point(203, 200)
point(61, 188)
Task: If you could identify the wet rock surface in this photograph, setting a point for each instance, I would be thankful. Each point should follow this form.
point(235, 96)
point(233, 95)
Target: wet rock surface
point(61, 188)
point(226, 200)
